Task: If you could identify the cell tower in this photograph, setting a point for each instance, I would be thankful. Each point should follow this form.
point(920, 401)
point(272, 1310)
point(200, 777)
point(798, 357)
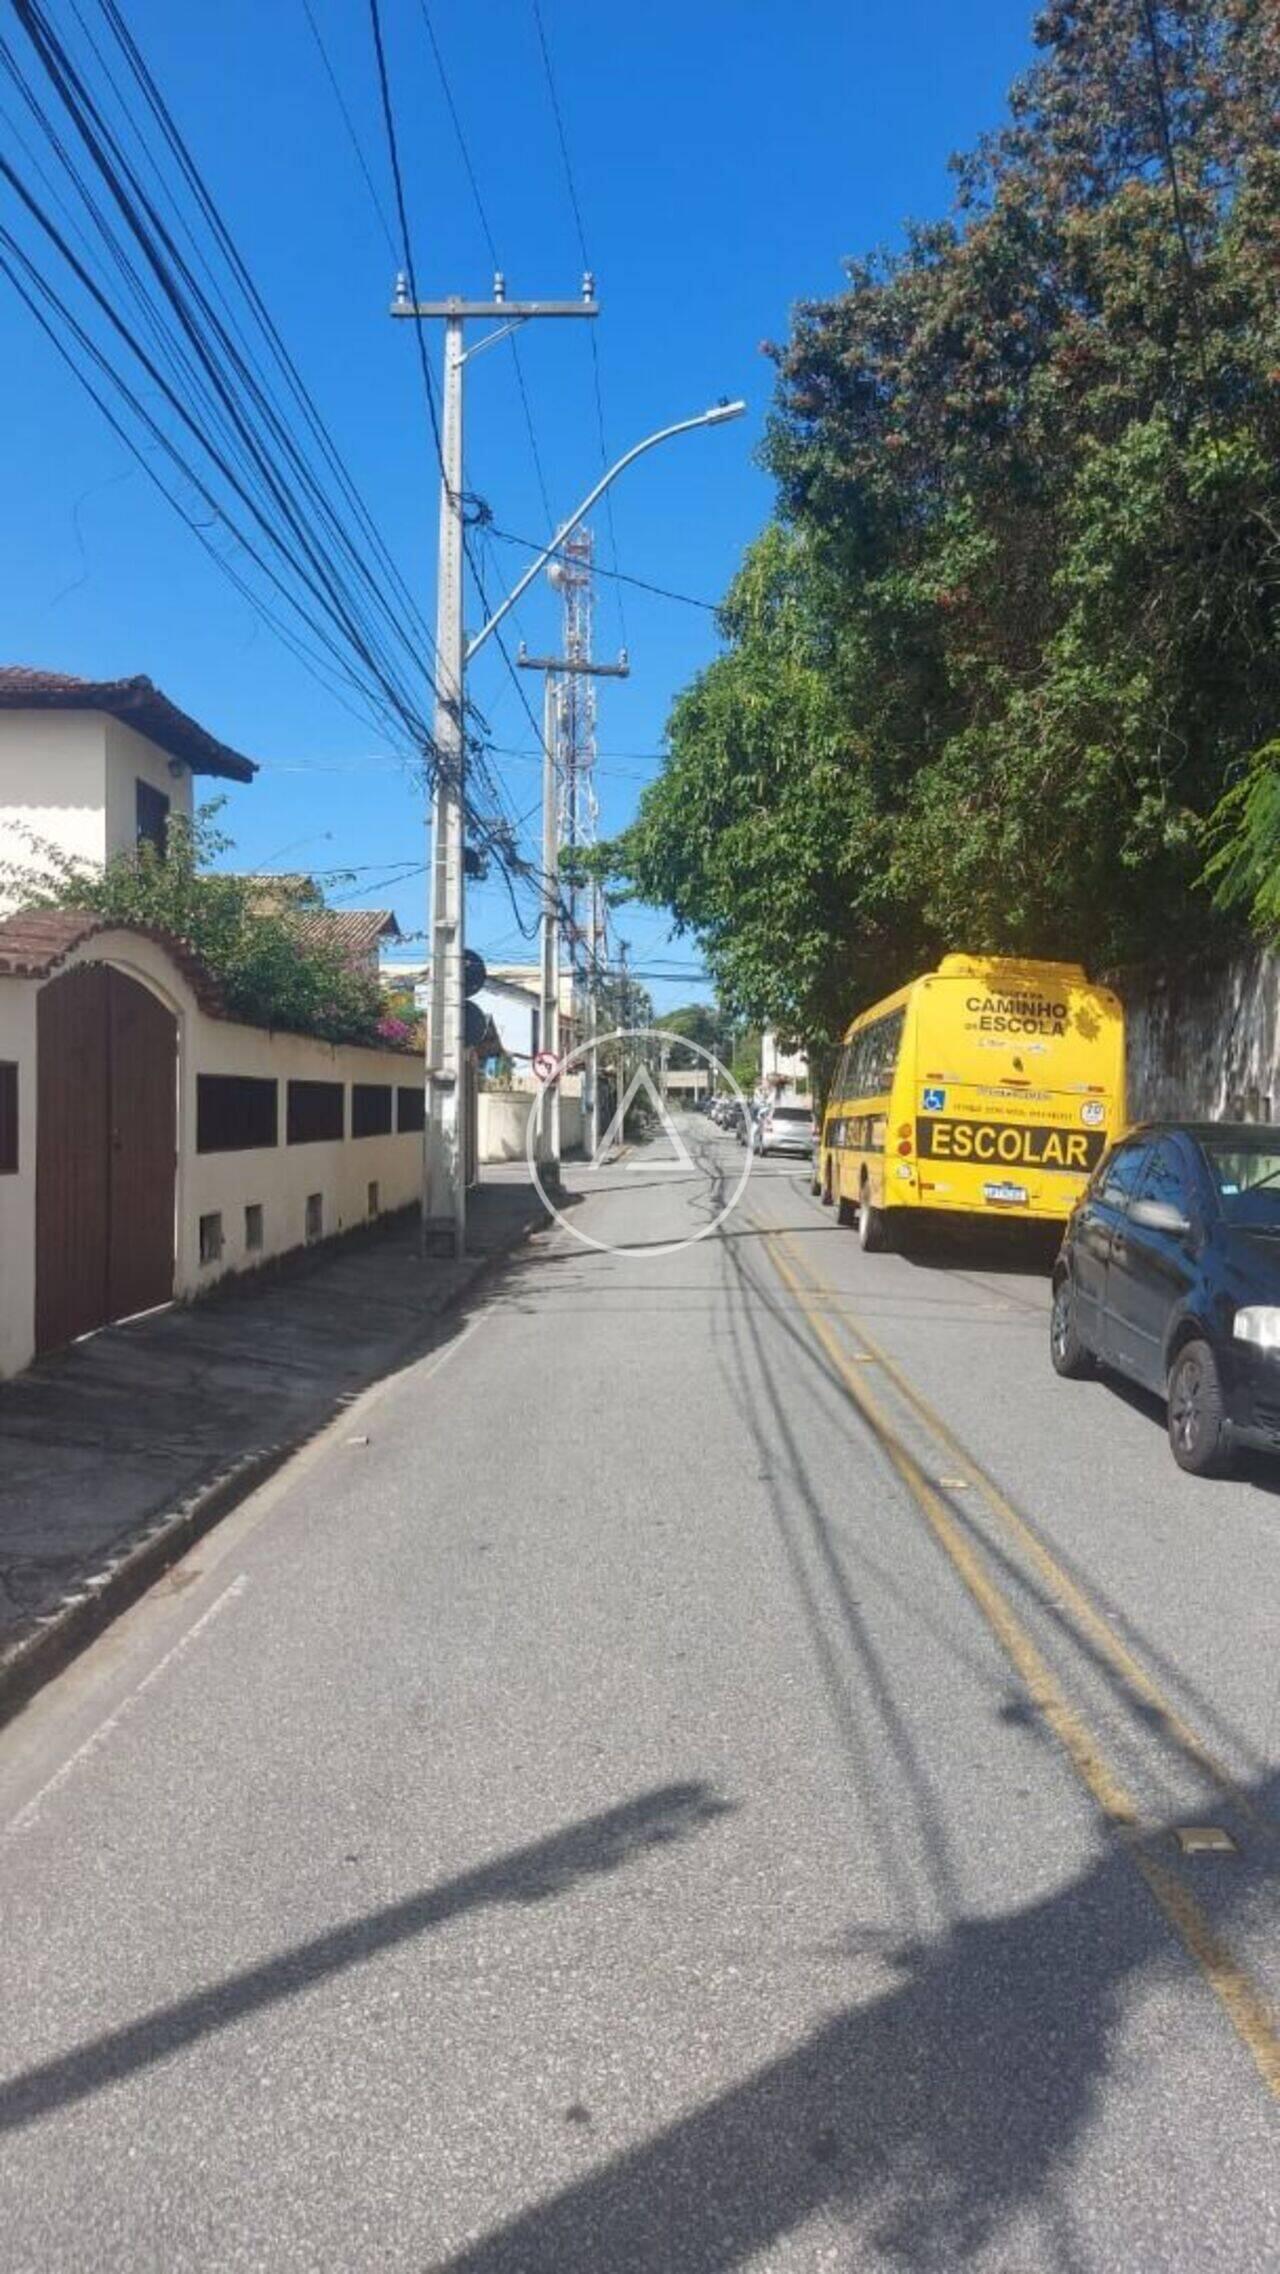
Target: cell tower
point(572, 574)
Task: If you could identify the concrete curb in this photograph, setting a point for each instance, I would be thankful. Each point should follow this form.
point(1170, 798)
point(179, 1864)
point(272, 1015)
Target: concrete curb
point(61, 1635)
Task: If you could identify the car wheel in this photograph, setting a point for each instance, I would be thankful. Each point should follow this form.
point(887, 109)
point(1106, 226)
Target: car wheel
point(873, 1227)
point(1071, 1356)
point(1198, 1430)
point(827, 1194)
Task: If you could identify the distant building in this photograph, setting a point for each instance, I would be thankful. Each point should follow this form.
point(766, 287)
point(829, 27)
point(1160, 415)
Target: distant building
point(514, 1012)
point(782, 1068)
point(358, 933)
point(692, 1082)
point(511, 1001)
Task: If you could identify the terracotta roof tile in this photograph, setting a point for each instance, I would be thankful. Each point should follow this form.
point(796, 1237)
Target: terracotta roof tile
point(36, 940)
point(356, 931)
point(137, 702)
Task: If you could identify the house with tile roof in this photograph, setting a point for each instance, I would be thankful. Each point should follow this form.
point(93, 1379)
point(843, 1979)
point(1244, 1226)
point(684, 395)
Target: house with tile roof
point(151, 1141)
point(357, 933)
point(94, 766)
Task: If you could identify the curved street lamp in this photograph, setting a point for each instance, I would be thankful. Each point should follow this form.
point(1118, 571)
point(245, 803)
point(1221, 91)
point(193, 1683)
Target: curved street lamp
point(716, 416)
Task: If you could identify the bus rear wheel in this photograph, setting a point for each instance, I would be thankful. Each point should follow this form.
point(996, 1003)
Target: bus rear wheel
point(873, 1227)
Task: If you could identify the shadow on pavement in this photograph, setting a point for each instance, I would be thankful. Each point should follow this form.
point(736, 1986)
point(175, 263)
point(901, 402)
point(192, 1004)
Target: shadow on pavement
point(938, 2114)
point(1262, 1470)
point(533, 1874)
point(772, 1301)
point(1026, 1250)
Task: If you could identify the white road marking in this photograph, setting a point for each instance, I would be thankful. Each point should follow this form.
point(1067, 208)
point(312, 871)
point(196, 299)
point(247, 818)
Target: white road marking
point(445, 1355)
point(226, 1538)
point(27, 1816)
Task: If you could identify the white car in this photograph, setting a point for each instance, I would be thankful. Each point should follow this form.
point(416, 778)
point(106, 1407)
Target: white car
point(785, 1129)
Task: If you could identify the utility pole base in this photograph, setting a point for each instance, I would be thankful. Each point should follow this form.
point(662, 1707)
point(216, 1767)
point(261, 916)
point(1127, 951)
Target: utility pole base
point(440, 1236)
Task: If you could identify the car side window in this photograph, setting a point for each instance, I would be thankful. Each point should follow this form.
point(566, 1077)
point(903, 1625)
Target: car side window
point(1122, 1173)
point(1166, 1178)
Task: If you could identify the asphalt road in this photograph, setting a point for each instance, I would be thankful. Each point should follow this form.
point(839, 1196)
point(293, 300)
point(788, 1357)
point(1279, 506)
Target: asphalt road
point(686, 1776)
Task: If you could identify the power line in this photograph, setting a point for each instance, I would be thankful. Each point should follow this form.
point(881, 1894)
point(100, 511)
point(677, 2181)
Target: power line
point(1179, 212)
point(28, 283)
point(189, 306)
point(575, 203)
point(453, 695)
point(470, 171)
point(620, 576)
point(206, 205)
point(284, 520)
point(353, 137)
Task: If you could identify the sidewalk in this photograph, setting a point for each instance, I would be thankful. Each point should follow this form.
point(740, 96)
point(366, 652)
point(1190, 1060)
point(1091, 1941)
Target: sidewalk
point(118, 1453)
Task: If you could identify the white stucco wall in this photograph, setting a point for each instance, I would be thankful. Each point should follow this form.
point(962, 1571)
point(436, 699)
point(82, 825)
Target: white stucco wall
point(514, 1013)
point(281, 1177)
point(18, 1193)
point(502, 1119)
point(502, 1123)
point(53, 768)
point(779, 1068)
point(129, 759)
point(277, 1178)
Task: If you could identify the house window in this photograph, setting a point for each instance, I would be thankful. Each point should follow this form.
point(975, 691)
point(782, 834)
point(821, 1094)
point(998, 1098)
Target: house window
point(8, 1119)
point(235, 1113)
point(211, 1239)
point(411, 1110)
point(253, 1226)
point(373, 1200)
point(153, 816)
point(315, 1215)
point(316, 1112)
point(371, 1109)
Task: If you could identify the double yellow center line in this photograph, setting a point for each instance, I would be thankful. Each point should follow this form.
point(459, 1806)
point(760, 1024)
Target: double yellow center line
point(1246, 2007)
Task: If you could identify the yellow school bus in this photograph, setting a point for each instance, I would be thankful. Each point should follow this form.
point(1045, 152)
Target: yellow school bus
point(990, 1087)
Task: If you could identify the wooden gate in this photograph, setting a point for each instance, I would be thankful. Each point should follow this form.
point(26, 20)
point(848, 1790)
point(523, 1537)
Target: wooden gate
point(106, 1152)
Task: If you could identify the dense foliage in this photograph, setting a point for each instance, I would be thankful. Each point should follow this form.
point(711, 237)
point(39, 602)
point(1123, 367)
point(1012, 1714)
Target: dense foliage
point(697, 1024)
point(271, 969)
point(1013, 634)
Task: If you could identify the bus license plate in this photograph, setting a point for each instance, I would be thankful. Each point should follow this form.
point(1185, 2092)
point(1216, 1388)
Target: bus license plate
point(1006, 1195)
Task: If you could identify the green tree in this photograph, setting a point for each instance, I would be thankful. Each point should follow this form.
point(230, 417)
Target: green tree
point(1013, 634)
point(692, 1023)
point(271, 969)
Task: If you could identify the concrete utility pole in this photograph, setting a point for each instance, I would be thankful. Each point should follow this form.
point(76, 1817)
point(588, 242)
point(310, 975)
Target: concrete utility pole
point(624, 1018)
point(444, 1194)
point(572, 574)
point(597, 974)
point(556, 667)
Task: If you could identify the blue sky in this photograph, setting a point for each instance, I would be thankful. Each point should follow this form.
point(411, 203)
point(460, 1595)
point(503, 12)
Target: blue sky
point(727, 154)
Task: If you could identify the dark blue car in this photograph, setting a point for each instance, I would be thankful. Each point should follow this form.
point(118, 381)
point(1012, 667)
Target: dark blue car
point(1169, 1273)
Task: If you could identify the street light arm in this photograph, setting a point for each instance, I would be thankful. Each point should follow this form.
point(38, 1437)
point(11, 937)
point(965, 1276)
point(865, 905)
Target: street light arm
point(716, 416)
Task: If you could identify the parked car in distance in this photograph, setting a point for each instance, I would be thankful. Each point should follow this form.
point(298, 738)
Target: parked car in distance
point(783, 1128)
point(1169, 1273)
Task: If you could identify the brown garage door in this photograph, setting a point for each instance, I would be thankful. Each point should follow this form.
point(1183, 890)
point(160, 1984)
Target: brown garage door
point(106, 1146)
